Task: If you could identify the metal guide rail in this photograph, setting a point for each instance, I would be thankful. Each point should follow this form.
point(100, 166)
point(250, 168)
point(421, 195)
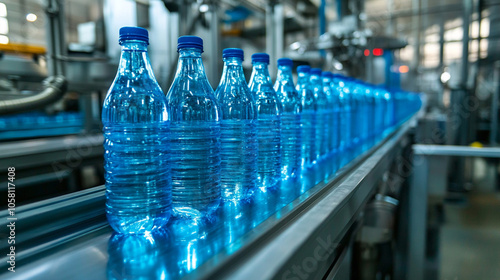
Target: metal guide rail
point(302, 222)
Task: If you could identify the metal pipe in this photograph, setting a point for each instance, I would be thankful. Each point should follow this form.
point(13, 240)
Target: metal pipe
point(322, 17)
point(214, 45)
point(55, 38)
point(55, 87)
point(465, 43)
point(270, 35)
point(279, 34)
point(416, 35)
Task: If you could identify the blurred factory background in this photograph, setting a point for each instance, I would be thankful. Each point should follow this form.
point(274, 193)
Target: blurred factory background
point(59, 57)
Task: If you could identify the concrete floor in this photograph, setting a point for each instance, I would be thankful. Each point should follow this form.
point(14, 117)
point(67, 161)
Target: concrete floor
point(470, 238)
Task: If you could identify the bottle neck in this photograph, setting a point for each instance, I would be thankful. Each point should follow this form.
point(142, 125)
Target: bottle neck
point(315, 78)
point(285, 75)
point(190, 62)
point(260, 74)
point(134, 59)
point(233, 71)
point(327, 81)
point(303, 79)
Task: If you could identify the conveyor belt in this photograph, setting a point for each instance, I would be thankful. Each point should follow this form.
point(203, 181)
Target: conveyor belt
point(68, 237)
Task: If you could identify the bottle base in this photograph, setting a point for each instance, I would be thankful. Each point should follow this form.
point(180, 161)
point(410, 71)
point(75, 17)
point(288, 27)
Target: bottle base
point(189, 213)
point(132, 225)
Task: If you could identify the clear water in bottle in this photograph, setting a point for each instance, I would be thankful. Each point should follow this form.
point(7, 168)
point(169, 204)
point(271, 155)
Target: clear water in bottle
point(321, 113)
point(238, 130)
point(269, 123)
point(308, 116)
point(135, 120)
point(291, 144)
point(195, 134)
point(345, 112)
point(332, 111)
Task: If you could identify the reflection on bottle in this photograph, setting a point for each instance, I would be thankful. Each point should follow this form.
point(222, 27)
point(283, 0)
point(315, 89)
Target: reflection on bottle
point(329, 166)
point(193, 243)
point(235, 216)
point(138, 256)
point(264, 204)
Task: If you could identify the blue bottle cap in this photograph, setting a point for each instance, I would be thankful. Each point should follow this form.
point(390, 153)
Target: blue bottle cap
point(285, 62)
point(315, 71)
point(133, 33)
point(327, 74)
point(304, 68)
point(260, 57)
point(233, 52)
point(336, 75)
point(189, 41)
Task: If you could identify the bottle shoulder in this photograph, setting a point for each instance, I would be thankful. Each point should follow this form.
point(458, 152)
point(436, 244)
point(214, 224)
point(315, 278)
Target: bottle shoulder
point(192, 100)
point(145, 93)
point(127, 105)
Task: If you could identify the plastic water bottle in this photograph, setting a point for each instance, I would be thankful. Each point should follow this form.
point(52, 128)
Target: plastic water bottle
point(345, 111)
point(291, 143)
point(353, 100)
point(136, 119)
point(195, 134)
point(321, 113)
point(368, 126)
point(389, 109)
point(332, 112)
point(269, 123)
point(379, 110)
point(308, 116)
point(360, 112)
point(238, 130)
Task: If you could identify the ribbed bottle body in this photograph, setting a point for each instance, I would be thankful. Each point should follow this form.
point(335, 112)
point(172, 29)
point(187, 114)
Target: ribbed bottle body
point(308, 125)
point(195, 157)
point(239, 159)
point(269, 146)
point(291, 144)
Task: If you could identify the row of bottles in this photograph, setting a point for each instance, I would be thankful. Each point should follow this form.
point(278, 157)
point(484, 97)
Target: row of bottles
point(183, 152)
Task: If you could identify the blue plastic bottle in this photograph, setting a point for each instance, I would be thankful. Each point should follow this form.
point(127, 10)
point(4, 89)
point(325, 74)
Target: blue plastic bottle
point(359, 113)
point(136, 119)
point(308, 116)
point(332, 111)
point(269, 123)
point(238, 130)
point(195, 135)
point(321, 113)
point(368, 125)
point(379, 111)
point(345, 114)
point(291, 140)
point(353, 100)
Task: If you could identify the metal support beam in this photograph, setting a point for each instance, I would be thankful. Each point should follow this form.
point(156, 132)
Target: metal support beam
point(417, 219)
point(494, 106)
point(56, 44)
point(465, 43)
point(458, 151)
point(274, 35)
point(416, 36)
